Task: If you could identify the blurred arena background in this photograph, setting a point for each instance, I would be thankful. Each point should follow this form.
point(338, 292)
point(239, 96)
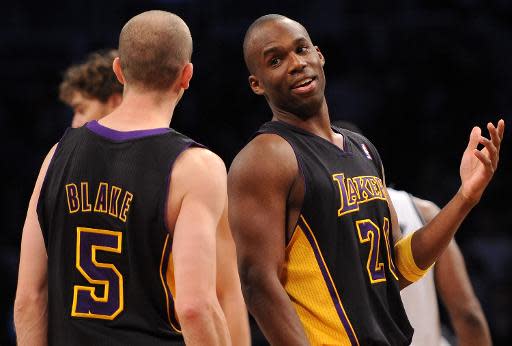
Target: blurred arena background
point(414, 75)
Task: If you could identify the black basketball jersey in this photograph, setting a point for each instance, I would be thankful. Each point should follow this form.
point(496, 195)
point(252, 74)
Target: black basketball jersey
point(102, 213)
point(339, 271)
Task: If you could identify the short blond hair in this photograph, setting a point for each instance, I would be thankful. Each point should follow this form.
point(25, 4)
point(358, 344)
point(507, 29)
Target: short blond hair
point(153, 48)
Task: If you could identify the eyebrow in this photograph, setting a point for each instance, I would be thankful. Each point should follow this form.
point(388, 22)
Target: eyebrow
point(272, 49)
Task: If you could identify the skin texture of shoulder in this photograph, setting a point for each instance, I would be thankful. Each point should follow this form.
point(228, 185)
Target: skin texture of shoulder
point(453, 285)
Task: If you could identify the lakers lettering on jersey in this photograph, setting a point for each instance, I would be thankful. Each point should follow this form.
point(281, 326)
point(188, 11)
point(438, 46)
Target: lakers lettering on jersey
point(339, 268)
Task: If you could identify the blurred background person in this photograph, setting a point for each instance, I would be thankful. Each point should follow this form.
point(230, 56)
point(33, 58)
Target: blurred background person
point(91, 88)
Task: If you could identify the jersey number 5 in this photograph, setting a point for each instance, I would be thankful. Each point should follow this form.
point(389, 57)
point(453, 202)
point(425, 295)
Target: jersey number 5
point(369, 232)
point(86, 302)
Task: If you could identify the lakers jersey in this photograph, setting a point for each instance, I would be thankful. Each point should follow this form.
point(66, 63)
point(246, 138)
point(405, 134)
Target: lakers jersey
point(102, 212)
point(420, 299)
point(339, 271)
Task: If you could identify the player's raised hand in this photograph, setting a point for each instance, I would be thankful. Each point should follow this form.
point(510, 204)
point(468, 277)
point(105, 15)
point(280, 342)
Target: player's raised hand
point(478, 165)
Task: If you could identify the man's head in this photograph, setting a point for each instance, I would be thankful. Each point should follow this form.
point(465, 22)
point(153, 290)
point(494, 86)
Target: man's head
point(91, 88)
point(155, 48)
point(284, 65)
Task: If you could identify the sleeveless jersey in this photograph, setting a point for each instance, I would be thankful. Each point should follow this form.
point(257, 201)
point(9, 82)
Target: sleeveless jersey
point(102, 213)
point(339, 271)
point(420, 299)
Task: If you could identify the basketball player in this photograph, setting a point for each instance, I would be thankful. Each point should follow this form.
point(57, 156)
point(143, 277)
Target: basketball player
point(93, 91)
point(118, 246)
point(91, 87)
point(320, 254)
point(451, 280)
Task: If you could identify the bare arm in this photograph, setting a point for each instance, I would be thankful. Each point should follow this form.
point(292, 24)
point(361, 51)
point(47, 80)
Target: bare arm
point(476, 171)
point(30, 306)
point(454, 287)
point(228, 285)
point(197, 197)
point(259, 183)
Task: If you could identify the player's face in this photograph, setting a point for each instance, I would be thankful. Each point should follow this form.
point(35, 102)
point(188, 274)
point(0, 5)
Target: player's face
point(86, 109)
point(289, 69)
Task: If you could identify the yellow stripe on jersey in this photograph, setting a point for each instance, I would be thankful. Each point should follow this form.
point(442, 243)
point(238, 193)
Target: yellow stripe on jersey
point(313, 293)
point(169, 286)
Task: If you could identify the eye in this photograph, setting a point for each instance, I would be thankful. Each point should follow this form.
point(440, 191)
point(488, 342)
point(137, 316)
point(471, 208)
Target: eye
point(274, 61)
point(302, 49)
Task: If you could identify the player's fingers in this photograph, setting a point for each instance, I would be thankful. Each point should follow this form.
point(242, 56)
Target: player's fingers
point(493, 132)
point(491, 152)
point(474, 138)
point(486, 161)
point(501, 128)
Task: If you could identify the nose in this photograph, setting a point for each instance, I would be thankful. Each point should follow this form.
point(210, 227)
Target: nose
point(297, 63)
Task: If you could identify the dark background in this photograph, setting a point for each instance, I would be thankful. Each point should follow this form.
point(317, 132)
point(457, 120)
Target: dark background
point(414, 75)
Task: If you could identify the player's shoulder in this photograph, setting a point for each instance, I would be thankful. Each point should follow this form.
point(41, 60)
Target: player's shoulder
point(201, 160)
point(266, 153)
point(265, 148)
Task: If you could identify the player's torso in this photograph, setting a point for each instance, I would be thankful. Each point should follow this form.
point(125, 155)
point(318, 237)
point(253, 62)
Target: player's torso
point(339, 272)
point(109, 251)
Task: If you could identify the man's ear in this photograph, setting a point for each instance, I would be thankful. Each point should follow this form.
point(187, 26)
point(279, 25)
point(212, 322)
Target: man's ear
point(186, 75)
point(116, 66)
point(255, 85)
point(320, 55)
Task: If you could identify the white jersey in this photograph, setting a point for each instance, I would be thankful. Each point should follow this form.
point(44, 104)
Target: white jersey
point(420, 299)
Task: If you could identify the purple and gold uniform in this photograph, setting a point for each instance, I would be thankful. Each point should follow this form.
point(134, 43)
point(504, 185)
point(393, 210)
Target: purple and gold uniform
point(102, 212)
point(339, 271)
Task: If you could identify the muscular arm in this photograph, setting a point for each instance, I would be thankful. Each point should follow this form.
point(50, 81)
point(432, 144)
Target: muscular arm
point(228, 285)
point(454, 287)
point(476, 171)
point(30, 306)
point(196, 202)
point(259, 182)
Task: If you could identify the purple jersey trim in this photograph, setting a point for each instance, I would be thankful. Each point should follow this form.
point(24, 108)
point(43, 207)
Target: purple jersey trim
point(115, 135)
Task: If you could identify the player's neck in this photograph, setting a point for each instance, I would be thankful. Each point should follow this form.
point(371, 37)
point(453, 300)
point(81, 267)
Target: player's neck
point(141, 111)
point(318, 123)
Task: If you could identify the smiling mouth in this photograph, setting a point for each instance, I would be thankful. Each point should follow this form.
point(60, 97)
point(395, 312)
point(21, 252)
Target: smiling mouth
point(303, 83)
point(305, 86)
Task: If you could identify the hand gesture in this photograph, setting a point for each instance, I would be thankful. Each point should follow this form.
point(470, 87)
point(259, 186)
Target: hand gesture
point(478, 166)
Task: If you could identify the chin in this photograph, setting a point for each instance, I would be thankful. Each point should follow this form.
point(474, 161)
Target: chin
point(308, 108)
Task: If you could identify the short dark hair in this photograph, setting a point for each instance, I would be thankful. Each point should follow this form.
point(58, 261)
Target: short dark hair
point(153, 47)
point(94, 77)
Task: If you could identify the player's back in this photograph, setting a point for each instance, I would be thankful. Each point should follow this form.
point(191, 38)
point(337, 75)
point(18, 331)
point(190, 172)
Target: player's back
point(102, 212)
